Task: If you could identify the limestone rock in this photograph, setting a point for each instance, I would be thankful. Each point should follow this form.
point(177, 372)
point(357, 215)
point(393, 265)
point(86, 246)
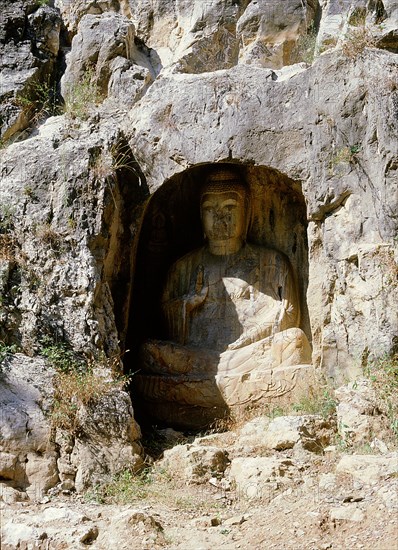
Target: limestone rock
point(358, 417)
point(105, 45)
point(254, 477)
point(16, 535)
point(389, 494)
point(368, 468)
point(347, 513)
point(310, 432)
point(26, 453)
point(132, 527)
point(194, 463)
point(9, 495)
point(252, 432)
point(285, 432)
point(348, 262)
point(340, 20)
point(190, 36)
point(46, 25)
point(269, 31)
point(72, 11)
point(29, 45)
point(111, 422)
point(42, 474)
point(30, 458)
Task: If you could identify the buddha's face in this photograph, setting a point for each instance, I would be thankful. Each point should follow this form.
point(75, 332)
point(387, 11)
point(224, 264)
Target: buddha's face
point(223, 220)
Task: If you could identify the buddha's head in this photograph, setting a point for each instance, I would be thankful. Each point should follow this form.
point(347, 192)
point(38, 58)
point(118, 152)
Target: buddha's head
point(224, 207)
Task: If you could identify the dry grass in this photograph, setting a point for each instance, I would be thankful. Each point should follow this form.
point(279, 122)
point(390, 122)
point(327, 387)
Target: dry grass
point(8, 247)
point(357, 40)
point(49, 236)
point(383, 373)
point(156, 486)
point(77, 388)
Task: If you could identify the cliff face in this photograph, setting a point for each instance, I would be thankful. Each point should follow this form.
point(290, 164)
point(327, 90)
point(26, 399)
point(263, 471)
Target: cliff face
point(303, 93)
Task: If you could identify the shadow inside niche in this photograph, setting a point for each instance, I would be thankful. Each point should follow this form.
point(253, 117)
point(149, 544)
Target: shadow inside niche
point(172, 228)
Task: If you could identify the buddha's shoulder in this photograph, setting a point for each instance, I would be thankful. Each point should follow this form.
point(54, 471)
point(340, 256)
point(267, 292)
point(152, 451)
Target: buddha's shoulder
point(267, 255)
point(190, 260)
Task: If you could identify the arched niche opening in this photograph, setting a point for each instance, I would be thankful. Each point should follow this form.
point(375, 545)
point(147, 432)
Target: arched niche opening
point(171, 228)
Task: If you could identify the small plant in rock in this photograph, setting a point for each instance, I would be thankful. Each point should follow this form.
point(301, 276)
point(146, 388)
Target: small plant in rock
point(7, 215)
point(304, 49)
point(117, 157)
point(383, 373)
point(5, 351)
point(82, 97)
point(49, 236)
point(75, 389)
point(40, 98)
point(8, 241)
point(316, 402)
point(60, 356)
point(344, 155)
point(357, 40)
point(78, 382)
point(123, 488)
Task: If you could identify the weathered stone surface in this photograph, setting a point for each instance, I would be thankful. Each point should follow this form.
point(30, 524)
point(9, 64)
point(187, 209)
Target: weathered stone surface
point(369, 468)
point(339, 299)
point(105, 46)
point(254, 476)
point(269, 31)
point(29, 39)
point(358, 417)
point(72, 11)
point(33, 457)
point(194, 463)
point(312, 432)
point(110, 422)
point(350, 512)
point(66, 297)
point(76, 217)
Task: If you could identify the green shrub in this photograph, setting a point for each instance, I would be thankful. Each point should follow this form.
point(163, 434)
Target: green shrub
point(304, 49)
point(40, 97)
point(124, 488)
point(82, 97)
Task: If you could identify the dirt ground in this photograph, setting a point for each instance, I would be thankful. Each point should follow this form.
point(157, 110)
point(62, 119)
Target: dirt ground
point(315, 509)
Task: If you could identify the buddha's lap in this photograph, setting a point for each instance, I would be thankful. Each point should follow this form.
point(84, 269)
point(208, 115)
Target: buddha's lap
point(165, 357)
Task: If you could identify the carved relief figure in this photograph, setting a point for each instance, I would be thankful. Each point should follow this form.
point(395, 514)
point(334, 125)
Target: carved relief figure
point(231, 309)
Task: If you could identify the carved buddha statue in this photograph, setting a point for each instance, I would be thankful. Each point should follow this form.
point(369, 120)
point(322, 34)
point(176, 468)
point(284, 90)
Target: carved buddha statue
point(232, 312)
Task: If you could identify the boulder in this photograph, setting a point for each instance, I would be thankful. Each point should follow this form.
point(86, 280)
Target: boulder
point(351, 512)
point(269, 32)
point(258, 477)
point(195, 464)
point(358, 415)
point(35, 454)
point(285, 432)
point(310, 432)
point(105, 49)
point(369, 469)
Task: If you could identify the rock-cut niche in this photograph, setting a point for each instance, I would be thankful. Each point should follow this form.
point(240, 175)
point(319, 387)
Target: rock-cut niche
point(218, 314)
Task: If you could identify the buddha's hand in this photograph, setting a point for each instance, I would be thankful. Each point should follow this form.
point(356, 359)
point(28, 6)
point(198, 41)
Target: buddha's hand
point(199, 293)
point(251, 335)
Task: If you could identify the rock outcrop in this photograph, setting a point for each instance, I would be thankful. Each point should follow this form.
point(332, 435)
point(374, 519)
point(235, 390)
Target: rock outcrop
point(38, 454)
point(30, 39)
